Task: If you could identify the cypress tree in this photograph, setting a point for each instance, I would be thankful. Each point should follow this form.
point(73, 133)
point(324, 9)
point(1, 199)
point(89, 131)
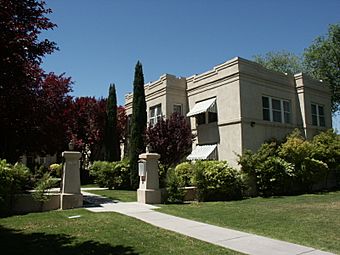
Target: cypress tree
point(112, 148)
point(138, 124)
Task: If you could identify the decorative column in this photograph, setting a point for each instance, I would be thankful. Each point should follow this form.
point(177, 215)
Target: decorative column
point(148, 192)
point(71, 196)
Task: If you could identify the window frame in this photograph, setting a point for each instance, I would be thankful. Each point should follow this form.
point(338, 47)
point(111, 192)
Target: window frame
point(285, 115)
point(155, 110)
point(320, 118)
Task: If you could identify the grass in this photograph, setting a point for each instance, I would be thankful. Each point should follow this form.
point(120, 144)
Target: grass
point(311, 220)
point(121, 195)
point(93, 233)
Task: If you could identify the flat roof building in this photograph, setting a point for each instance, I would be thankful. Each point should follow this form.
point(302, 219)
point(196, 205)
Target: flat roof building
point(239, 105)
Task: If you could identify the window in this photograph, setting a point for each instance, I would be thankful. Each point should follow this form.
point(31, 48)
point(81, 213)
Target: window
point(177, 108)
point(318, 115)
point(276, 110)
point(155, 114)
point(209, 116)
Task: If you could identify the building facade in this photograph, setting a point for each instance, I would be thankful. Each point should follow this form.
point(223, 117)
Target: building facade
point(238, 105)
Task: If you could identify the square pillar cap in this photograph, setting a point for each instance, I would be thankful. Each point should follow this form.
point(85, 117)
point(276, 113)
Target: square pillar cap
point(71, 155)
point(149, 155)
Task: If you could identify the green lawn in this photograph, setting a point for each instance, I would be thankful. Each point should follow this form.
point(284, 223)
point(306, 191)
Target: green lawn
point(93, 233)
point(311, 220)
point(121, 195)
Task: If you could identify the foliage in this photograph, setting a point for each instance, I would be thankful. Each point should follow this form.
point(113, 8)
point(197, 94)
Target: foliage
point(138, 124)
point(327, 149)
point(55, 169)
point(43, 184)
point(185, 173)
point(281, 61)
point(322, 60)
point(216, 180)
point(171, 138)
point(111, 174)
point(174, 193)
point(13, 180)
point(22, 79)
point(86, 126)
point(293, 166)
point(121, 124)
point(112, 146)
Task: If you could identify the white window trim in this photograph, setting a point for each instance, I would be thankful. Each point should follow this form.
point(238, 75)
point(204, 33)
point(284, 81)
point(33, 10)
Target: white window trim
point(282, 111)
point(318, 115)
point(158, 114)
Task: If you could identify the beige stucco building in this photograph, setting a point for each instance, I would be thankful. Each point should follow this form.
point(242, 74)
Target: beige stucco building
point(238, 105)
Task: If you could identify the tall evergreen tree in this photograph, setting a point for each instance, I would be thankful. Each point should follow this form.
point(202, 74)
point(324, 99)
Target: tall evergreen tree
point(138, 124)
point(112, 152)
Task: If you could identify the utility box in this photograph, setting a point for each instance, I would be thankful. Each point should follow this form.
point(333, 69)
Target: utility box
point(148, 192)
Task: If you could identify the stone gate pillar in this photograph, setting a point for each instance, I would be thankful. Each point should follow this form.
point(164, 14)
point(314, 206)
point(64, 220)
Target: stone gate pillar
point(71, 196)
point(148, 192)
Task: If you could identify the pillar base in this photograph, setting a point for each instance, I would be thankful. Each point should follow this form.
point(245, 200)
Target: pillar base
point(149, 196)
point(70, 201)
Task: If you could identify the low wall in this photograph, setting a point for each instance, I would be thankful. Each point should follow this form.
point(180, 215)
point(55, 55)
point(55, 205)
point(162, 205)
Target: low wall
point(25, 203)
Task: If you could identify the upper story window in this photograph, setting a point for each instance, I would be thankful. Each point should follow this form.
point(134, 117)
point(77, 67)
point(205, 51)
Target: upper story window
point(276, 110)
point(209, 116)
point(177, 108)
point(155, 114)
point(204, 111)
point(318, 115)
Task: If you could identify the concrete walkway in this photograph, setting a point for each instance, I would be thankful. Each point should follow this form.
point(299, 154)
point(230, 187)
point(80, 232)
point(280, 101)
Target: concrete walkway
point(228, 238)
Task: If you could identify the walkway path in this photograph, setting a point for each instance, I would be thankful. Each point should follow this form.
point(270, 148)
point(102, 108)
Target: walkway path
point(228, 238)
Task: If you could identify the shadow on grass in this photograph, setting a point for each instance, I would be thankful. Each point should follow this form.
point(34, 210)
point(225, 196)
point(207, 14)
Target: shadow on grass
point(16, 242)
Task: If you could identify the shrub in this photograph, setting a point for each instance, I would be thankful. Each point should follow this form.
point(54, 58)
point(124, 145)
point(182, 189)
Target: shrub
point(273, 176)
point(55, 170)
point(43, 184)
point(216, 180)
point(185, 173)
point(174, 191)
point(294, 166)
point(13, 180)
point(111, 174)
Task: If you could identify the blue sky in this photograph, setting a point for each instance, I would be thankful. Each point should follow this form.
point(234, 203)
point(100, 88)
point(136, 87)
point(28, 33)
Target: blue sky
point(101, 41)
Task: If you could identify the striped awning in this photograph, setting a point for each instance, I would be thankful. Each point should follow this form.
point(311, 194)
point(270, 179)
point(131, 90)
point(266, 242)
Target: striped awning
point(202, 152)
point(202, 106)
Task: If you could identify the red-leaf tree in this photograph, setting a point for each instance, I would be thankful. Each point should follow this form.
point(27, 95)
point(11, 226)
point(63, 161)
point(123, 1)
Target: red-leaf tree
point(86, 123)
point(121, 123)
point(171, 138)
point(21, 51)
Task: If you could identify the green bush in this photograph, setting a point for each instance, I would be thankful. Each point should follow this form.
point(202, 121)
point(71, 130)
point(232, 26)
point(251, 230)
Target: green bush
point(55, 170)
point(43, 184)
point(111, 174)
point(13, 180)
point(174, 191)
point(274, 176)
point(185, 173)
point(293, 166)
point(216, 180)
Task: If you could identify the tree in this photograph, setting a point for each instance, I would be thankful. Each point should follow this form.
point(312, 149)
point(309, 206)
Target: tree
point(86, 124)
point(54, 102)
point(21, 52)
point(138, 123)
point(121, 124)
point(281, 61)
point(112, 146)
point(322, 61)
point(171, 138)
